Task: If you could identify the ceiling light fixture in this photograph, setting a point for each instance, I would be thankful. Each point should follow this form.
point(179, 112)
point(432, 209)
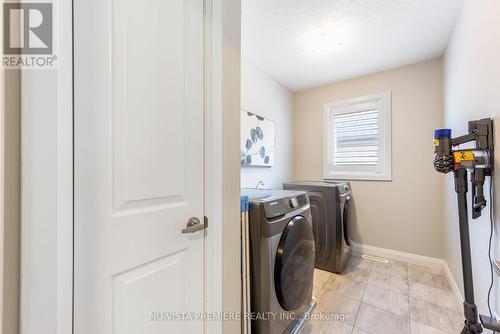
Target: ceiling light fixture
point(326, 39)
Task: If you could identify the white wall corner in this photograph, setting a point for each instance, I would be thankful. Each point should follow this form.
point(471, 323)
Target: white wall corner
point(453, 284)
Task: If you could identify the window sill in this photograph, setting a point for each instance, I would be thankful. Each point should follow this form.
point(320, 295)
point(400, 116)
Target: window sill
point(358, 177)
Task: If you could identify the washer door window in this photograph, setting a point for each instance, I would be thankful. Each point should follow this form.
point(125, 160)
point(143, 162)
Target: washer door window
point(294, 266)
point(345, 219)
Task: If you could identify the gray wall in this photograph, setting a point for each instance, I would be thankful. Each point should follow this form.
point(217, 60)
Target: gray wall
point(11, 218)
point(472, 87)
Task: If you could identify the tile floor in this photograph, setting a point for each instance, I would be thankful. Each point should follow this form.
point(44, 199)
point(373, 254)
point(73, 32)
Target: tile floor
point(371, 297)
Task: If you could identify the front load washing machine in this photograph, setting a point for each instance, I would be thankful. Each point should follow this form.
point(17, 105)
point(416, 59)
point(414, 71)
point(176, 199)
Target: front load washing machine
point(330, 206)
point(282, 259)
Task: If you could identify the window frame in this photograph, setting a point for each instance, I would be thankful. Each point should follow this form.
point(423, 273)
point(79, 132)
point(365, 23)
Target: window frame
point(383, 171)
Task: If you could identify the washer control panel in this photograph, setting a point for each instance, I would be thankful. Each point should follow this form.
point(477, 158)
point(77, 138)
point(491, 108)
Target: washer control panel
point(280, 205)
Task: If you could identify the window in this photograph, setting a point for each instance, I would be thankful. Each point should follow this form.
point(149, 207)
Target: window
point(358, 138)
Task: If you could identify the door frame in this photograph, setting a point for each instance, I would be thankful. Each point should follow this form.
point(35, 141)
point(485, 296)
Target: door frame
point(62, 206)
point(2, 191)
point(213, 161)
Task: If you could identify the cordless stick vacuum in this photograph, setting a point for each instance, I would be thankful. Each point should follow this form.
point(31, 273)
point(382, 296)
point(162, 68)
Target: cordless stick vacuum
point(478, 161)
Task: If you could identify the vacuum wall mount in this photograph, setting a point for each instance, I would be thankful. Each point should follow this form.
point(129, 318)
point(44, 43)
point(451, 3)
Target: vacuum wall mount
point(479, 162)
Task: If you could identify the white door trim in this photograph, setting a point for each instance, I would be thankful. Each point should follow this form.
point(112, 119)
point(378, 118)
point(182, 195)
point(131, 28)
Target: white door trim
point(63, 203)
point(65, 170)
point(56, 168)
point(2, 188)
point(213, 162)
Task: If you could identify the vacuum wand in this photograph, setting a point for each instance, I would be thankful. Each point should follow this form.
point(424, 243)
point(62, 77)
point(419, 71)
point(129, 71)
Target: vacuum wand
point(477, 161)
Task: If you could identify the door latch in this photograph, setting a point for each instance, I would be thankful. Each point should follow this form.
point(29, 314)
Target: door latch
point(194, 225)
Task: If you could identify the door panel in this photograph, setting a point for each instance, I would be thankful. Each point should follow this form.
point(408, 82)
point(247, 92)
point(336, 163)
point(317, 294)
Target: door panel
point(138, 165)
point(144, 288)
point(148, 67)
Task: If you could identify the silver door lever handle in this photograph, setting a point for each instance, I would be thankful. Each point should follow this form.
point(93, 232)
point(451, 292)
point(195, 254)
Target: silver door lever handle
point(194, 225)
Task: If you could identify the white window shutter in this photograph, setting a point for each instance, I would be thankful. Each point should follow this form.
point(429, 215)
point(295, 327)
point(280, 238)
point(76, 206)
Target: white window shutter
point(358, 138)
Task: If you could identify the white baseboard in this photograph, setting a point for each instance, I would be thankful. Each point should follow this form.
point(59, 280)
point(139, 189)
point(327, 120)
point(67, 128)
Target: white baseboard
point(496, 317)
point(419, 260)
point(453, 284)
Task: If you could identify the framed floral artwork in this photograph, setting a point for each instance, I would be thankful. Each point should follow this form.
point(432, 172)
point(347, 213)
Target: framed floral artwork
point(258, 140)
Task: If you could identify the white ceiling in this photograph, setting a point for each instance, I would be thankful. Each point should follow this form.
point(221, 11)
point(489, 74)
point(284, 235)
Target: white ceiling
point(308, 43)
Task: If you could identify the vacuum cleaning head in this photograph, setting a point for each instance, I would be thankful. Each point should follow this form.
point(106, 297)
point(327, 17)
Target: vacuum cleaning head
point(443, 159)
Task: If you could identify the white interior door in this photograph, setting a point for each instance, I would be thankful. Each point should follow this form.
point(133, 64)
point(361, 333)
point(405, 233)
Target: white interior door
point(139, 162)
